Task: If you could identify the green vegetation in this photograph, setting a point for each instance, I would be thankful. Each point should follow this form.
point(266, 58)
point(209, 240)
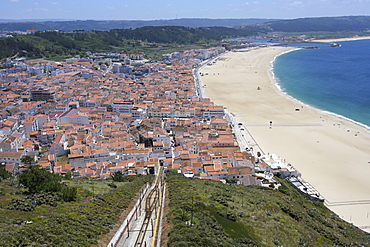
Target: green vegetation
point(330, 24)
point(88, 208)
point(322, 24)
point(63, 158)
point(89, 25)
point(27, 159)
point(145, 39)
point(119, 177)
point(209, 213)
point(4, 174)
point(38, 180)
point(156, 40)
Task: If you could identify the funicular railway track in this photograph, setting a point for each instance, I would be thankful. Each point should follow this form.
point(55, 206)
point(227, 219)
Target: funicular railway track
point(152, 205)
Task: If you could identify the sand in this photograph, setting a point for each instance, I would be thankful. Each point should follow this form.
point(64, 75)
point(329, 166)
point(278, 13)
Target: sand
point(331, 153)
point(341, 39)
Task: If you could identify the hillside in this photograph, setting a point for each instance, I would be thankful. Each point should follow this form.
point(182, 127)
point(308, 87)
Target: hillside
point(321, 24)
point(44, 219)
point(209, 213)
point(89, 25)
point(144, 39)
point(152, 37)
point(318, 24)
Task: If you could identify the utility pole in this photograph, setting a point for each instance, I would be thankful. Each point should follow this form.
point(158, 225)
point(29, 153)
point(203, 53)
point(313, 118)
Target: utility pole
point(192, 206)
point(192, 210)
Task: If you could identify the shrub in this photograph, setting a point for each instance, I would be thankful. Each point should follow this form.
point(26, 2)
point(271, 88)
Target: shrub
point(69, 194)
point(30, 202)
point(4, 174)
point(112, 185)
point(39, 180)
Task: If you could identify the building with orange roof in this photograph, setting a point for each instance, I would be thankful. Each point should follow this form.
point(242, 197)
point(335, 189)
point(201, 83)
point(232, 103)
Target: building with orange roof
point(11, 157)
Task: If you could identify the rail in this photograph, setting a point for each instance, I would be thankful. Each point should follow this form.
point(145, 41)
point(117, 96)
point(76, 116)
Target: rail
point(150, 206)
point(130, 217)
point(140, 226)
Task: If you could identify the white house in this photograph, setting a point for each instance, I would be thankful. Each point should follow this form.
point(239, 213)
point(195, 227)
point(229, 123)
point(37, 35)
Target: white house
point(73, 116)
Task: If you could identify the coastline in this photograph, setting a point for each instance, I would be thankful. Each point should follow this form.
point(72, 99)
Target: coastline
point(305, 104)
point(339, 40)
point(326, 148)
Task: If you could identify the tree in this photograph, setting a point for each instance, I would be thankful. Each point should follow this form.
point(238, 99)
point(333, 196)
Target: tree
point(68, 175)
point(39, 180)
point(69, 194)
point(4, 174)
point(118, 176)
point(27, 160)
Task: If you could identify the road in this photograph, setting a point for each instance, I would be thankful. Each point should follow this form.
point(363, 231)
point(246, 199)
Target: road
point(110, 67)
point(244, 138)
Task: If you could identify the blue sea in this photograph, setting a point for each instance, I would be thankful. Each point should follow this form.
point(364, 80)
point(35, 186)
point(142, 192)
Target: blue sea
point(333, 79)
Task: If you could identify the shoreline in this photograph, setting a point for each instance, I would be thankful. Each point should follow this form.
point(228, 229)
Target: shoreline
point(340, 39)
point(308, 105)
point(314, 141)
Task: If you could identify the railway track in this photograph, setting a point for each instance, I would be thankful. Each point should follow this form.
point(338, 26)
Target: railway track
point(152, 206)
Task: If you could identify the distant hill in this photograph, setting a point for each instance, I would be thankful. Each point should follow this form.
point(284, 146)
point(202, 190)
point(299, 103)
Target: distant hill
point(33, 20)
point(88, 25)
point(321, 24)
point(149, 36)
point(52, 43)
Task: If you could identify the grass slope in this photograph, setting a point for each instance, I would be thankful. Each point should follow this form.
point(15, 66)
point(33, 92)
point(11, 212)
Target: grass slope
point(79, 223)
point(208, 213)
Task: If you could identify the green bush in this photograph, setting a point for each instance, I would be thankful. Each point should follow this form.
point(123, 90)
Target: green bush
point(77, 223)
point(38, 180)
point(69, 194)
point(30, 202)
point(4, 174)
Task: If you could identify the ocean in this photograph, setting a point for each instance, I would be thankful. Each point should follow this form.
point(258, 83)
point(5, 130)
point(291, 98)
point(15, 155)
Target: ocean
point(332, 79)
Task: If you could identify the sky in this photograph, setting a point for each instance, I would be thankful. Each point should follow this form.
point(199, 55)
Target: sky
point(173, 9)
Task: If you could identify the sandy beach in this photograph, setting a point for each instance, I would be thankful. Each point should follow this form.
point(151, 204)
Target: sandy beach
point(342, 39)
point(332, 154)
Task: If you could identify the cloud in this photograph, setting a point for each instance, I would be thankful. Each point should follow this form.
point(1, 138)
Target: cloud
point(296, 3)
point(37, 9)
point(48, 2)
point(355, 1)
point(251, 3)
point(14, 1)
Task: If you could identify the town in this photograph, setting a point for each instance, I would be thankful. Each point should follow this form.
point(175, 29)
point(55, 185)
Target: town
point(107, 113)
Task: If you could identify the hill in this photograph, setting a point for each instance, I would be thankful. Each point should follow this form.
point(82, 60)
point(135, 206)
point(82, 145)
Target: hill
point(44, 219)
point(88, 25)
point(156, 40)
point(209, 213)
point(321, 24)
point(318, 24)
point(144, 39)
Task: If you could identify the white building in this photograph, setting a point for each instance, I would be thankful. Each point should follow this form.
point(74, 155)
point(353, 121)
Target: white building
point(73, 116)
